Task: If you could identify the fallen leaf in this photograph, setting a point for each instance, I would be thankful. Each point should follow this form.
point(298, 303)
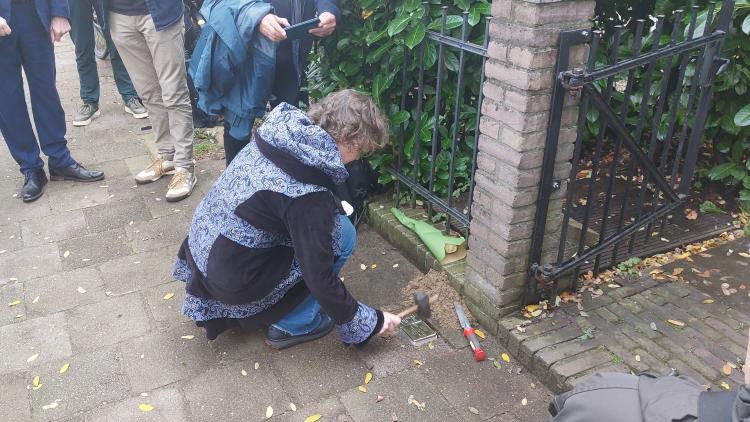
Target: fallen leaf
point(379, 399)
point(430, 346)
point(36, 383)
point(362, 389)
point(14, 303)
point(257, 365)
point(50, 406)
point(677, 271)
point(243, 372)
point(362, 267)
point(188, 337)
point(505, 357)
point(743, 254)
point(637, 358)
point(313, 418)
point(480, 334)
point(64, 368)
point(726, 369)
point(145, 407)
point(584, 314)
point(81, 290)
point(732, 365)
point(168, 296)
point(692, 215)
point(395, 265)
point(32, 358)
point(537, 313)
point(416, 403)
point(293, 407)
point(373, 266)
point(66, 254)
point(653, 326)
point(418, 362)
point(524, 402)
point(708, 301)
point(676, 322)
point(473, 410)
point(368, 378)
point(531, 308)
point(725, 386)
point(496, 363)
point(520, 329)
point(36, 299)
point(269, 412)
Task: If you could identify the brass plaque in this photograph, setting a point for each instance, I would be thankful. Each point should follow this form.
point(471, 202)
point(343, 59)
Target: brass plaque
point(416, 330)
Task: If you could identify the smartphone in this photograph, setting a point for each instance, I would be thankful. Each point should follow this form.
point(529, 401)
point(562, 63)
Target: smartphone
point(300, 30)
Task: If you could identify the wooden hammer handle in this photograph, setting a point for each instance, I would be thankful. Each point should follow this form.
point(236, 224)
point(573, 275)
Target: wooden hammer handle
point(413, 308)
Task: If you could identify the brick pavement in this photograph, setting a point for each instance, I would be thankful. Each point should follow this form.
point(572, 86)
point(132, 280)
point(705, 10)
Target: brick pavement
point(89, 266)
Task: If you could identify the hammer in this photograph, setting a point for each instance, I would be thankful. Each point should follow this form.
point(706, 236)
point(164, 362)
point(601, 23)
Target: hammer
point(421, 307)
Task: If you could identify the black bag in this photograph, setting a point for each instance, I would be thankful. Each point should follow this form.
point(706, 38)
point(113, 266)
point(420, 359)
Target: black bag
point(361, 184)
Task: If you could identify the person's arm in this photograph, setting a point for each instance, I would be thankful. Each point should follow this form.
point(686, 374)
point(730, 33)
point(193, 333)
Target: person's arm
point(60, 24)
point(59, 8)
point(310, 221)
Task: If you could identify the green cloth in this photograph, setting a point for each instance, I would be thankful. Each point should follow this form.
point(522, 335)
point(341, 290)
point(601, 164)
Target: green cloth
point(431, 236)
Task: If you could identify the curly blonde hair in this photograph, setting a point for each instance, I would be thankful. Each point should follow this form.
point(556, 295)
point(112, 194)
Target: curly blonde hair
point(351, 118)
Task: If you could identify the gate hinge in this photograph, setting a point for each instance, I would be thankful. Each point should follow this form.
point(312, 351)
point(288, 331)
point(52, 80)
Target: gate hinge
point(542, 273)
point(573, 80)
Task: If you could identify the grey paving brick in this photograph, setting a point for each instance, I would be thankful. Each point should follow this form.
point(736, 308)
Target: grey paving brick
point(137, 163)
point(225, 394)
point(310, 379)
point(14, 401)
point(112, 320)
point(464, 383)
point(566, 368)
point(10, 293)
point(10, 237)
point(387, 356)
point(15, 210)
point(119, 148)
point(168, 403)
point(159, 234)
point(159, 359)
point(115, 215)
point(28, 263)
point(59, 292)
point(544, 358)
point(166, 310)
point(240, 345)
point(46, 336)
point(532, 345)
point(685, 369)
point(53, 228)
point(92, 380)
point(123, 189)
point(66, 196)
point(94, 249)
point(330, 410)
point(396, 390)
point(139, 271)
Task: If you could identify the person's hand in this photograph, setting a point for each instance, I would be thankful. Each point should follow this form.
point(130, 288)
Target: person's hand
point(60, 26)
point(326, 26)
point(4, 27)
point(272, 27)
point(390, 324)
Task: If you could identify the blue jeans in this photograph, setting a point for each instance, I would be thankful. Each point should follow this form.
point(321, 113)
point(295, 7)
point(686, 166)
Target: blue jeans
point(29, 48)
point(306, 316)
point(82, 34)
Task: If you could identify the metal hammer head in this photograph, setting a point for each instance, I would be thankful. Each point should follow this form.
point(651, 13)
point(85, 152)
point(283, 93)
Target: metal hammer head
point(423, 304)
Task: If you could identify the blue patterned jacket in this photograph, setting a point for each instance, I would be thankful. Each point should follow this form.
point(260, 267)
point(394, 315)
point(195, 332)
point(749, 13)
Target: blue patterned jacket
point(266, 234)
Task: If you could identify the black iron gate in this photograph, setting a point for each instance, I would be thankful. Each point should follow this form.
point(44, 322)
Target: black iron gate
point(642, 114)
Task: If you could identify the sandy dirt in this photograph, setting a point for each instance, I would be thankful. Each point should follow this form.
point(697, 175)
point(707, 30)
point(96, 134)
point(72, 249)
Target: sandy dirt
point(443, 311)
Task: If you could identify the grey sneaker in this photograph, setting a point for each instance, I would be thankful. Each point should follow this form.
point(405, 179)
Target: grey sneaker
point(135, 107)
point(181, 185)
point(86, 114)
point(154, 171)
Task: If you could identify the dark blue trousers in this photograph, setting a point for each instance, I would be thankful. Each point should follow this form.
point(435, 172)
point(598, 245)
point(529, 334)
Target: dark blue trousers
point(29, 48)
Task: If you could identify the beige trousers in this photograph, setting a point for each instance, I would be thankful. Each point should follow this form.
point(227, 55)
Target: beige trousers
point(155, 61)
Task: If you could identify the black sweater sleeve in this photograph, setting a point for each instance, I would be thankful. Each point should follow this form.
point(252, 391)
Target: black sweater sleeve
point(309, 220)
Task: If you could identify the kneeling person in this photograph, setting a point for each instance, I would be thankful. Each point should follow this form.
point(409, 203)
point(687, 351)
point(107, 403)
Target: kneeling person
point(267, 241)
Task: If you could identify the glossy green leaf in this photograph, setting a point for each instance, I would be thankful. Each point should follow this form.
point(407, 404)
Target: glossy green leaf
point(397, 25)
point(415, 36)
point(742, 118)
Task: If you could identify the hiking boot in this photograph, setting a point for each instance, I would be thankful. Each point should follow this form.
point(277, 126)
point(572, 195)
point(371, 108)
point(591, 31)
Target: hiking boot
point(135, 107)
point(181, 185)
point(154, 171)
point(86, 114)
point(279, 339)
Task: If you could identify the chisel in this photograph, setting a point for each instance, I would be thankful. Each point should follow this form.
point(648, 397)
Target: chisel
point(479, 354)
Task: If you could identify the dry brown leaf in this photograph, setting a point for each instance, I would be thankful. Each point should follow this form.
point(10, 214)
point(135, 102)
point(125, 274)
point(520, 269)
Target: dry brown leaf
point(524, 402)
point(368, 378)
point(505, 357)
point(362, 389)
point(188, 337)
point(168, 296)
point(743, 254)
point(14, 303)
point(726, 369)
point(705, 274)
point(692, 215)
point(480, 334)
point(257, 365)
point(379, 399)
point(36, 382)
point(145, 407)
point(637, 358)
point(32, 358)
point(708, 301)
point(536, 313)
point(293, 407)
point(676, 322)
point(313, 418)
point(725, 386)
point(677, 271)
point(418, 362)
point(243, 372)
point(430, 346)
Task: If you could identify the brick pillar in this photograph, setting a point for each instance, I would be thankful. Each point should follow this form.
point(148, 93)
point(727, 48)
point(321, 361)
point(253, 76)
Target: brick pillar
point(520, 73)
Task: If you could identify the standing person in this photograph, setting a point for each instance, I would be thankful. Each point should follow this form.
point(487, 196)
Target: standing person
point(291, 55)
point(82, 34)
point(28, 31)
point(150, 37)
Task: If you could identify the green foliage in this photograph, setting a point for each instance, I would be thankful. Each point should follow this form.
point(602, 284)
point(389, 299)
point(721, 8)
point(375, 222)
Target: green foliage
point(367, 53)
point(709, 207)
point(630, 267)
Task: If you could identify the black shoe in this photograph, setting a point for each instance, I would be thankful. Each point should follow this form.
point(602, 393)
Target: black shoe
point(33, 185)
point(75, 172)
point(281, 340)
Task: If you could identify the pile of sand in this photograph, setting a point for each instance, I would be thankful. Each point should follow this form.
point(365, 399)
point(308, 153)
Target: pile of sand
point(443, 311)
